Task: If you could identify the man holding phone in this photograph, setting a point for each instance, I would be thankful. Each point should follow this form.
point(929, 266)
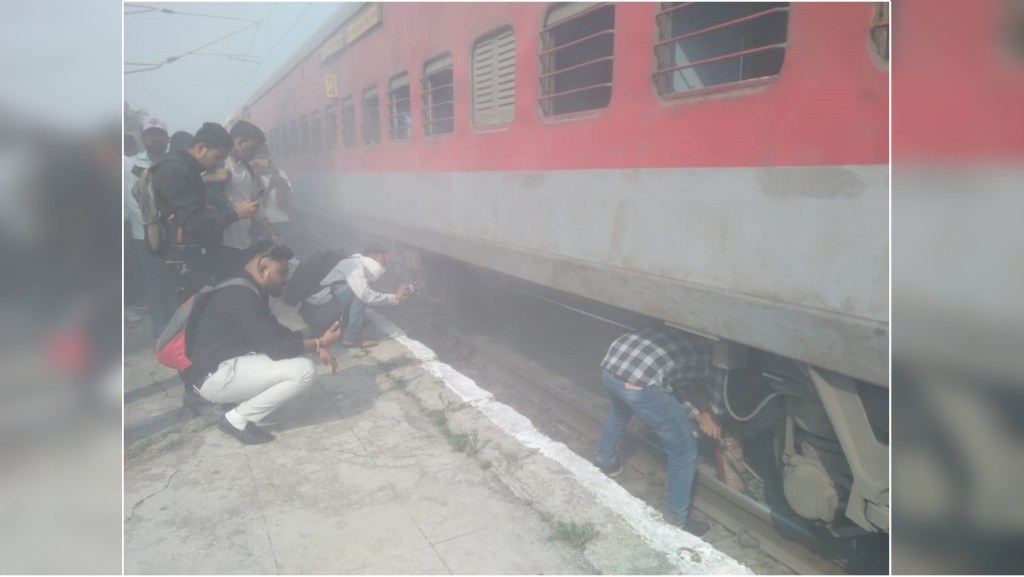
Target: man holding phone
point(238, 183)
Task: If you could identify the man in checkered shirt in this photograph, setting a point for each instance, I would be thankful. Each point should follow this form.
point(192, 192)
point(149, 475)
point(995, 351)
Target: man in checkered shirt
point(640, 371)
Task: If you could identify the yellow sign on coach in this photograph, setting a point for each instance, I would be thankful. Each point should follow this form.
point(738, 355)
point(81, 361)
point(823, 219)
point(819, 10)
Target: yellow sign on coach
point(354, 28)
point(331, 85)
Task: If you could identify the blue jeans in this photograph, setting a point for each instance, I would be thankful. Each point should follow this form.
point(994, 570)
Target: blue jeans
point(321, 317)
point(153, 284)
point(667, 418)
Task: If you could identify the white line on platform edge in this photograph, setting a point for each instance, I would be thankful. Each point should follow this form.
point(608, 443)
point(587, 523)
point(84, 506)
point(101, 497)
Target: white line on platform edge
point(678, 546)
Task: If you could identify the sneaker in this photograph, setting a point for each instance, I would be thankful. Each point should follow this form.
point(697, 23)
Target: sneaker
point(250, 435)
point(612, 470)
point(690, 525)
point(193, 401)
point(696, 527)
point(363, 344)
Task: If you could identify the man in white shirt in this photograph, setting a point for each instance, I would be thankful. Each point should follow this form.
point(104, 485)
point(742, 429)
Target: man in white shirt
point(242, 185)
point(154, 140)
point(346, 292)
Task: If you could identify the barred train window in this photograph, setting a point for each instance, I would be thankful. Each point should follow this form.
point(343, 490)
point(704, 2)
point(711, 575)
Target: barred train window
point(330, 127)
point(293, 139)
point(371, 116)
point(494, 78)
point(399, 108)
point(316, 131)
point(348, 121)
point(576, 57)
point(304, 135)
point(438, 97)
point(880, 31)
point(718, 43)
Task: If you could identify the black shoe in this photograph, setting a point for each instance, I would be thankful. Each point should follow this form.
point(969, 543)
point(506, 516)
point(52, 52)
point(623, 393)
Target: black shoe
point(250, 435)
point(612, 470)
point(193, 401)
point(696, 527)
point(693, 526)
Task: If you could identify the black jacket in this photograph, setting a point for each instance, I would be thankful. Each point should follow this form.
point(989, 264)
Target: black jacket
point(178, 183)
point(234, 322)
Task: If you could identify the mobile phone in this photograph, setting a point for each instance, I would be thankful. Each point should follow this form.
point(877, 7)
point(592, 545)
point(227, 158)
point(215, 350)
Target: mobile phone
point(138, 170)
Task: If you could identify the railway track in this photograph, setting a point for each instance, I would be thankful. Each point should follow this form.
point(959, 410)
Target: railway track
point(519, 344)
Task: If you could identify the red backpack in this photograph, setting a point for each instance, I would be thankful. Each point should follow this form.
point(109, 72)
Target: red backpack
point(171, 349)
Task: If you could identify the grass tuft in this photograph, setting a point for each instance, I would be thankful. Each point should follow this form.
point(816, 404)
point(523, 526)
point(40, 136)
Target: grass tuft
point(468, 443)
point(573, 533)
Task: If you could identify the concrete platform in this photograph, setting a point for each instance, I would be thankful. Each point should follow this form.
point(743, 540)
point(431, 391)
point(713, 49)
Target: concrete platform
point(396, 465)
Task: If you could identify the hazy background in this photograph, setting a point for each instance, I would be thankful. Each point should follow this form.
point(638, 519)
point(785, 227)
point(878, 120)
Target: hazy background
point(957, 272)
point(61, 109)
point(60, 252)
point(249, 42)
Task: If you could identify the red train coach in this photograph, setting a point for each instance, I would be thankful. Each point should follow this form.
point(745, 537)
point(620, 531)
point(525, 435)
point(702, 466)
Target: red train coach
point(720, 166)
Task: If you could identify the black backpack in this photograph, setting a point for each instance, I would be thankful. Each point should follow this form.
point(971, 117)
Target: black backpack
point(307, 276)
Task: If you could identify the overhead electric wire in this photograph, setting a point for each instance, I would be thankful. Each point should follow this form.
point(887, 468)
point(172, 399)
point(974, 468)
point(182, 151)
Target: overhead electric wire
point(248, 49)
point(180, 56)
point(146, 9)
point(271, 51)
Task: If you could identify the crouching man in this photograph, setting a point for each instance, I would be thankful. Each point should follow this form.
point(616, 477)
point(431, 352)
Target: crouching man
point(641, 371)
point(241, 354)
point(345, 291)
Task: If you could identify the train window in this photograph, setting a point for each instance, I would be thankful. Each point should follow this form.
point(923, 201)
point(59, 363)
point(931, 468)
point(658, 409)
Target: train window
point(348, 121)
point(371, 116)
point(293, 139)
point(494, 78)
point(303, 135)
point(438, 97)
point(316, 132)
point(330, 127)
point(399, 108)
point(576, 56)
point(718, 44)
point(880, 31)
point(1012, 30)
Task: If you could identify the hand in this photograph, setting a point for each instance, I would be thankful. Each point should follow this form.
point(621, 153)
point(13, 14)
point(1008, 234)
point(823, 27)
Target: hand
point(247, 208)
point(402, 293)
point(708, 426)
point(331, 335)
point(328, 359)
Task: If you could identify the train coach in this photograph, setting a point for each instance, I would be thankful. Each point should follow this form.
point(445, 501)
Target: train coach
point(722, 167)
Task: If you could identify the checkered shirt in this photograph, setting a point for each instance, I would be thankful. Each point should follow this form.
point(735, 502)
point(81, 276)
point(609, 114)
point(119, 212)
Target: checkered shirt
point(667, 358)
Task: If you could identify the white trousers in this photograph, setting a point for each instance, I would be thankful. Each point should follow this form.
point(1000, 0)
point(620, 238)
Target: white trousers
point(260, 385)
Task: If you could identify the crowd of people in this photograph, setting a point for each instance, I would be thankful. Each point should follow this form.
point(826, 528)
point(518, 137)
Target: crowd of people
point(224, 206)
